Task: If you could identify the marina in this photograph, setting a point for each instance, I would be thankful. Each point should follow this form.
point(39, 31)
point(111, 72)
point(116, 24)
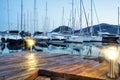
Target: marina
point(59, 40)
point(84, 61)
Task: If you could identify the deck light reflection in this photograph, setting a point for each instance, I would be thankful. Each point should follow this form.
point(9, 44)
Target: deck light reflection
point(31, 61)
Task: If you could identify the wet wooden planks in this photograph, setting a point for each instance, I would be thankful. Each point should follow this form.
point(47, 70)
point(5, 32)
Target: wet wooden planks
point(27, 66)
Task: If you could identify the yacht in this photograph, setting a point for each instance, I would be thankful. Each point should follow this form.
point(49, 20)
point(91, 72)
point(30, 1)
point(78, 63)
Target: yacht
point(14, 40)
point(41, 39)
point(75, 39)
point(56, 38)
point(108, 37)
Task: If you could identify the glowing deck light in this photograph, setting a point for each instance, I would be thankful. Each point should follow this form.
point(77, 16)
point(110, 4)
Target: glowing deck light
point(30, 43)
point(111, 53)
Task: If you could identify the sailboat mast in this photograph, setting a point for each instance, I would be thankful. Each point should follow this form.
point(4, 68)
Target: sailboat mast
point(118, 16)
point(63, 16)
point(46, 19)
point(62, 20)
point(8, 15)
point(73, 19)
point(21, 15)
point(91, 17)
point(80, 16)
point(118, 20)
point(34, 15)
point(17, 20)
point(27, 18)
point(24, 23)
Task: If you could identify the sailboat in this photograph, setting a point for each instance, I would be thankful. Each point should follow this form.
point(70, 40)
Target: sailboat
point(40, 37)
point(74, 38)
point(14, 39)
point(93, 38)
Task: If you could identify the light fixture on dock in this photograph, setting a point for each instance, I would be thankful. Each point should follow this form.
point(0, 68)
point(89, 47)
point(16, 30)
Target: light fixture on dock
point(30, 43)
point(111, 53)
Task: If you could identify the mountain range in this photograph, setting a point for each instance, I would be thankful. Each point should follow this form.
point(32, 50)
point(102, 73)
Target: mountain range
point(104, 27)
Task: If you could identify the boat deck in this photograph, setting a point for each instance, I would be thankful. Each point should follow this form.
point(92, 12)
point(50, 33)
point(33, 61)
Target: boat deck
point(44, 66)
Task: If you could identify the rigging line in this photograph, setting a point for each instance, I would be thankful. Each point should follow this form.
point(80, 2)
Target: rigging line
point(85, 14)
point(79, 16)
point(96, 12)
point(77, 10)
point(96, 15)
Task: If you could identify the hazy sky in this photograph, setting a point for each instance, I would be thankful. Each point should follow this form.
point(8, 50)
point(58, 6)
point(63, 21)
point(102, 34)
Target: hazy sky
point(107, 11)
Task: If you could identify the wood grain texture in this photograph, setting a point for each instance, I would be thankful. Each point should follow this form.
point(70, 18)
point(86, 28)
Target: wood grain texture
point(28, 66)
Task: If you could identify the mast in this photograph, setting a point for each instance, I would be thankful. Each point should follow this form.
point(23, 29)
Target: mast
point(8, 15)
point(46, 19)
point(18, 21)
point(63, 16)
point(24, 23)
point(118, 21)
point(34, 15)
point(91, 18)
point(27, 18)
point(21, 15)
point(62, 20)
point(73, 19)
point(30, 22)
point(80, 16)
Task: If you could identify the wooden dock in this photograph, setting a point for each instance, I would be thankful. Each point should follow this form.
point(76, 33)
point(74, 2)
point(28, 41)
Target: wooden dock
point(44, 66)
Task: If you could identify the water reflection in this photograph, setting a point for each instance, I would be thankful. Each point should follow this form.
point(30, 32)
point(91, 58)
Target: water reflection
point(83, 49)
point(31, 62)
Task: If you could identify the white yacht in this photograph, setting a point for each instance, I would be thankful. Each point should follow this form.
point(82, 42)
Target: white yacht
point(56, 38)
point(75, 39)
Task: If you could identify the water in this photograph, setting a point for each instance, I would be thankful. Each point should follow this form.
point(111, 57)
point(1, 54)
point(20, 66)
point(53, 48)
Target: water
point(83, 49)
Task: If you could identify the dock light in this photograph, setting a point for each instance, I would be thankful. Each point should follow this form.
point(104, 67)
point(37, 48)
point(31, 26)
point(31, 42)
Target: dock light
point(30, 43)
point(111, 53)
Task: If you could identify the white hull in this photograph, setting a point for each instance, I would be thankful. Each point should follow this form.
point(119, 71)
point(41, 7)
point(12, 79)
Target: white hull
point(96, 38)
point(77, 39)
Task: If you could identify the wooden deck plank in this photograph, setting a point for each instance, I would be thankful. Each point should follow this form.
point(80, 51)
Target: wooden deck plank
point(42, 78)
point(25, 65)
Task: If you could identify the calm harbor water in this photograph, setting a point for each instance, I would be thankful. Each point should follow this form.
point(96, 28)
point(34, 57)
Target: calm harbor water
point(82, 49)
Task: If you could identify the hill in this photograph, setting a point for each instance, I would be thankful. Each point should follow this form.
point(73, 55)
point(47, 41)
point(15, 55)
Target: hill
point(63, 29)
point(113, 29)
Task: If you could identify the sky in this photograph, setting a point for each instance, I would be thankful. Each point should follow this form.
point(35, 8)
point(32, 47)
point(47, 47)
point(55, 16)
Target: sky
point(107, 12)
